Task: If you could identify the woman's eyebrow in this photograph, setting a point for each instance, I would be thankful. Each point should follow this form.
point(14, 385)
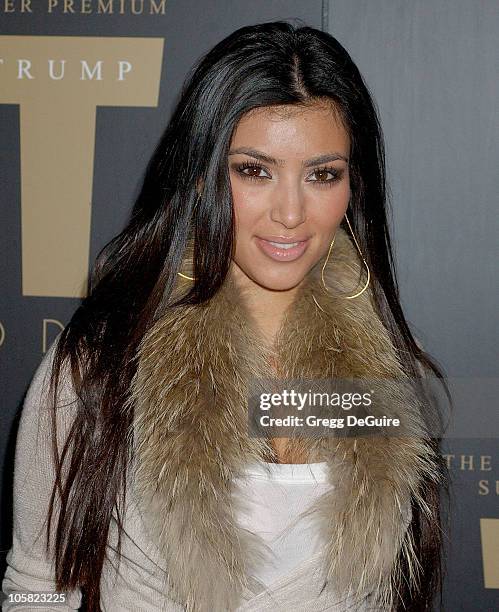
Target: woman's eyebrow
point(320, 159)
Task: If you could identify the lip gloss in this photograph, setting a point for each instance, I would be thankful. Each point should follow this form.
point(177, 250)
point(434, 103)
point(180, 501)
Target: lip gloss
point(280, 253)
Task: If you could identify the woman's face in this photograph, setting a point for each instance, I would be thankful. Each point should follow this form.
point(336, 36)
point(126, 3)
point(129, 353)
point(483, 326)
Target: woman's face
point(290, 186)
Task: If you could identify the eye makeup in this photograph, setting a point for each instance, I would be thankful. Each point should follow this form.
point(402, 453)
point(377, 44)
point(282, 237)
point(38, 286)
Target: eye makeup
point(336, 174)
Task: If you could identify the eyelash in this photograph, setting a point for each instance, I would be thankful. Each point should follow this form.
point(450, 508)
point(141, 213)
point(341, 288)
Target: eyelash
point(337, 174)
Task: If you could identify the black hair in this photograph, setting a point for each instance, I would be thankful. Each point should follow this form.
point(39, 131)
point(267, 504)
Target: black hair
point(263, 65)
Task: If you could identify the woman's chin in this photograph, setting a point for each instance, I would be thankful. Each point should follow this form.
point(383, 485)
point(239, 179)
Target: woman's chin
point(270, 275)
point(278, 282)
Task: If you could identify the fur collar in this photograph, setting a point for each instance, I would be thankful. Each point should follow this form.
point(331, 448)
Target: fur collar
point(190, 437)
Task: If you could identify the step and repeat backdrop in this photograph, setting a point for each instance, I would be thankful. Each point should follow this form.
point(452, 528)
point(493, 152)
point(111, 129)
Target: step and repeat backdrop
point(86, 89)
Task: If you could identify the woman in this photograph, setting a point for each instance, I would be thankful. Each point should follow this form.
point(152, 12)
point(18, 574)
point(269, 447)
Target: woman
point(258, 247)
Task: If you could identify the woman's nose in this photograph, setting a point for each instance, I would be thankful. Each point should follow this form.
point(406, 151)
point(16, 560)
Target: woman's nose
point(289, 206)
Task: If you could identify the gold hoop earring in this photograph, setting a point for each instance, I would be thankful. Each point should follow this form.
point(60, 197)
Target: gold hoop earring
point(347, 297)
point(185, 276)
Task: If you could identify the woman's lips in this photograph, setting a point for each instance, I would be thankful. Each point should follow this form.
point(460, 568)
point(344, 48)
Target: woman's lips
point(280, 253)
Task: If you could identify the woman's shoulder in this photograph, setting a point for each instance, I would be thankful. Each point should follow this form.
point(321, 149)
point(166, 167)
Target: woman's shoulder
point(35, 417)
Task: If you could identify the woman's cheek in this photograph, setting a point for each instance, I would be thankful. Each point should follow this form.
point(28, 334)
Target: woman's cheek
point(249, 202)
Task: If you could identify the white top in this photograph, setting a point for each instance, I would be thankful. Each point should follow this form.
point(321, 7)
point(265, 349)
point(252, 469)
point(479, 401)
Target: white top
point(276, 495)
point(139, 585)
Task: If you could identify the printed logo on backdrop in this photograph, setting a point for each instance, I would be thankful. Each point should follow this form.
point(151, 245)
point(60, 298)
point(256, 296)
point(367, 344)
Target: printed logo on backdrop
point(489, 533)
point(58, 83)
point(85, 7)
point(482, 467)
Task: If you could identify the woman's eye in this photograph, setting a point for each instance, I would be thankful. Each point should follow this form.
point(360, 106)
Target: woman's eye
point(325, 175)
point(252, 171)
point(322, 176)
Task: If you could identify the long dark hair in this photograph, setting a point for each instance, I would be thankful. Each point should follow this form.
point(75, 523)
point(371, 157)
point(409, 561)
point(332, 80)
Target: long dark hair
point(132, 279)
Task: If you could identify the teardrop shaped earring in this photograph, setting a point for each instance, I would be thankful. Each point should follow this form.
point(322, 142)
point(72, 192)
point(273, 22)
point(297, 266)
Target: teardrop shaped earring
point(347, 297)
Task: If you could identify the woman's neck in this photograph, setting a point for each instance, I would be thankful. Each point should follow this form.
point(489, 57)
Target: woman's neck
point(287, 450)
point(266, 306)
